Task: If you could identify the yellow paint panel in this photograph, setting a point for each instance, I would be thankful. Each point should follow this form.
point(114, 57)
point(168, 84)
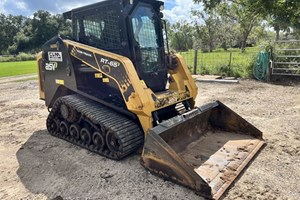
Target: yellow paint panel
point(105, 80)
point(98, 75)
point(143, 84)
point(41, 88)
point(59, 82)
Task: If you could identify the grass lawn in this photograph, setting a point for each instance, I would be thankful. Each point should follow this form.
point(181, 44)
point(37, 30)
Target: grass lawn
point(17, 68)
point(217, 62)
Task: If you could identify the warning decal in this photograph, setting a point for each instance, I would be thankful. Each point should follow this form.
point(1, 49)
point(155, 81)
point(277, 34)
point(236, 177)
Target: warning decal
point(55, 56)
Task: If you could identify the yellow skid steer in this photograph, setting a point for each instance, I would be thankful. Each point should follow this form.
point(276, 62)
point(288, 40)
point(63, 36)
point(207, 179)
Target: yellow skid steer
point(114, 88)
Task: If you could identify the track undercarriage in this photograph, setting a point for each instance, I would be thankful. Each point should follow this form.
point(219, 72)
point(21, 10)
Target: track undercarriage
point(94, 127)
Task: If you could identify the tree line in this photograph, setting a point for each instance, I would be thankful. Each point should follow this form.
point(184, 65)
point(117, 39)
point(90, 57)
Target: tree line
point(222, 24)
point(236, 23)
point(23, 34)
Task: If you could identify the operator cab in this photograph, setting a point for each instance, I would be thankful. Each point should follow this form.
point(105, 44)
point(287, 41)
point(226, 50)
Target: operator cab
point(130, 28)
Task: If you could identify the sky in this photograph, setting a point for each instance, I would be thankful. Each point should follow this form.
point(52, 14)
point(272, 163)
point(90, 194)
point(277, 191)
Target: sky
point(175, 10)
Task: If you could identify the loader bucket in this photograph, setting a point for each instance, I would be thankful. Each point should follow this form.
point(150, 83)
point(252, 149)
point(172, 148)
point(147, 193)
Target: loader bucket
point(205, 149)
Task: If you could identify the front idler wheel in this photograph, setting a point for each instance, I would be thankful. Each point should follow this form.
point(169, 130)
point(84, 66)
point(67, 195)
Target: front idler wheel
point(54, 127)
point(85, 135)
point(68, 113)
point(64, 111)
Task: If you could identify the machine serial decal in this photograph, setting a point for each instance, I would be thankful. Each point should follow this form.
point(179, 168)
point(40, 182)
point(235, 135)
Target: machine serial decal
point(111, 63)
point(51, 66)
point(55, 56)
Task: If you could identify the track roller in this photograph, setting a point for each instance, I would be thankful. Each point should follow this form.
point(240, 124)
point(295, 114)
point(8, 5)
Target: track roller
point(98, 140)
point(64, 128)
point(75, 131)
point(85, 135)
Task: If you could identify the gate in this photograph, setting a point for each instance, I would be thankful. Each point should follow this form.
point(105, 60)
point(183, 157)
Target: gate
point(286, 58)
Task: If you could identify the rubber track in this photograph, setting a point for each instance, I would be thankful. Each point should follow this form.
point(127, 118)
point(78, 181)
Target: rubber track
point(128, 133)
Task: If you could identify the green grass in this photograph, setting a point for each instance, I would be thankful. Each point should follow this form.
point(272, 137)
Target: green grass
point(17, 68)
point(214, 63)
point(217, 62)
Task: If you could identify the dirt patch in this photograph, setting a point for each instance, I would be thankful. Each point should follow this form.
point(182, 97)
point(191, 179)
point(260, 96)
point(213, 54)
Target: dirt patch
point(34, 165)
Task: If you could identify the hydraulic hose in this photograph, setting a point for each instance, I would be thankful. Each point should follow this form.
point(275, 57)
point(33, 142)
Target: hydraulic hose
point(261, 65)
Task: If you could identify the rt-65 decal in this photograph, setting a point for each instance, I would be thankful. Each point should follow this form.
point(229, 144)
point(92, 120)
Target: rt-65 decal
point(111, 63)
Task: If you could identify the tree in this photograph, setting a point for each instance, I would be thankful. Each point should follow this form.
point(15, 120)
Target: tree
point(181, 36)
point(35, 32)
point(207, 34)
point(259, 33)
point(9, 27)
point(229, 33)
point(281, 13)
point(44, 27)
point(241, 13)
point(237, 12)
point(214, 31)
point(21, 34)
point(284, 14)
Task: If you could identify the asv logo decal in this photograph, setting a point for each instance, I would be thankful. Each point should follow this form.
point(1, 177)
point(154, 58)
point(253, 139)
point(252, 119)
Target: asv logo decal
point(55, 56)
point(51, 66)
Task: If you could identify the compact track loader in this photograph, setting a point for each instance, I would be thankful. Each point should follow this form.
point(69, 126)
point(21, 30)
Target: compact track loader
point(114, 88)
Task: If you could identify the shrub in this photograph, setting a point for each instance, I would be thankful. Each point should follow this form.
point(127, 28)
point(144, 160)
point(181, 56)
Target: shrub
point(20, 57)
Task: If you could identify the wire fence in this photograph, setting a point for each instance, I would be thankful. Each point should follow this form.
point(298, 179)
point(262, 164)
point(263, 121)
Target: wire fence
point(220, 62)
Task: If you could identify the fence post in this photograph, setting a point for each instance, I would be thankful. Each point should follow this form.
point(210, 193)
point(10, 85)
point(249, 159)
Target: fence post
point(230, 60)
point(195, 61)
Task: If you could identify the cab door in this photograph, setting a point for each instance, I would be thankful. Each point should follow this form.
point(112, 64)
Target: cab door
point(148, 47)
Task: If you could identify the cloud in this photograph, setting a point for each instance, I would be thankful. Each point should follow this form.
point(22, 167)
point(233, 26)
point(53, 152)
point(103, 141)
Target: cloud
point(21, 5)
point(2, 10)
point(28, 7)
point(181, 10)
point(175, 10)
